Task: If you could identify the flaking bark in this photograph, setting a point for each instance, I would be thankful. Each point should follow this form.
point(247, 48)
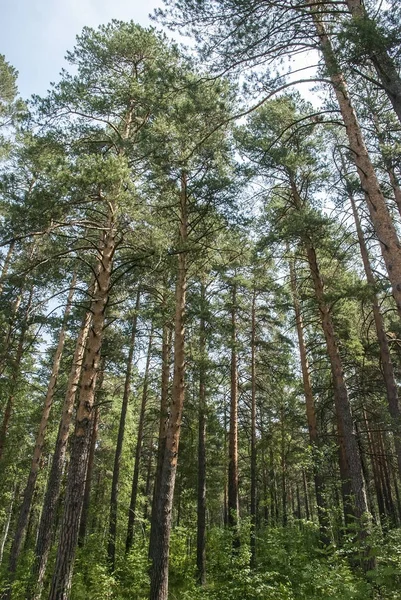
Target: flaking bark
point(61, 583)
point(379, 214)
point(46, 525)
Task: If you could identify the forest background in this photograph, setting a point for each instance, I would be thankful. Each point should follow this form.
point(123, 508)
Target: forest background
point(200, 295)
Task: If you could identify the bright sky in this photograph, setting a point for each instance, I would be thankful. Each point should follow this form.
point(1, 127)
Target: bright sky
point(35, 34)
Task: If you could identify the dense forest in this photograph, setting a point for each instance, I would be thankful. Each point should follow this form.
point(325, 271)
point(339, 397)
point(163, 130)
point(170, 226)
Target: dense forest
point(200, 302)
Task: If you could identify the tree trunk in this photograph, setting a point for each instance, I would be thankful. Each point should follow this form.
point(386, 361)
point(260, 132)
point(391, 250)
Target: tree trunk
point(233, 494)
point(163, 513)
point(349, 457)
point(253, 431)
point(111, 546)
point(388, 496)
point(147, 487)
point(284, 513)
point(40, 439)
point(383, 63)
point(265, 486)
point(346, 431)
point(6, 528)
point(52, 494)
point(346, 487)
point(138, 450)
point(163, 422)
point(375, 470)
point(299, 509)
point(308, 514)
point(379, 214)
point(397, 494)
point(201, 503)
point(365, 468)
point(83, 524)
point(385, 357)
point(324, 523)
point(225, 498)
point(61, 584)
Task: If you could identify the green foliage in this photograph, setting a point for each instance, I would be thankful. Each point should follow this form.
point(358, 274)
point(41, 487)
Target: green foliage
point(133, 574)
point(118, 136)
point(290, 566)
point(8, 86)
point(362, 37)
point(386, 579)
point(95, 583)
point(11, 107)
point(93, 580)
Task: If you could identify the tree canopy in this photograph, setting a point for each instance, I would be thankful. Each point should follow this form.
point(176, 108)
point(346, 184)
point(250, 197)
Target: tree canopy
point(200, 299)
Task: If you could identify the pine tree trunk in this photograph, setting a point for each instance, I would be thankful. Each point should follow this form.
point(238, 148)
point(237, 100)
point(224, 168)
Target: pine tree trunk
point(299, 509)
point(385, 357)
point(225, 492)
point(138, 450)
point(40, 438)
point(397, 494)
point(201, 500)
point(52, 494)
point(308, 514)
point(163, 422)
point(233, 494)
point(274, 512)
point(111, 546)
point(346, 487)
point(324, 523)
point(379, 214)
point(147, 487)
point(381, 60)
point(253, 431)
point(163, 513)
point(365, 468)
point(6, 527)
point(284, 514)
point(61, 583)
point(346, 431)
point(375, 468)
point(389, 452)
point(83, 523)
point(388, 496)
point(349, 457)
point(265, 486)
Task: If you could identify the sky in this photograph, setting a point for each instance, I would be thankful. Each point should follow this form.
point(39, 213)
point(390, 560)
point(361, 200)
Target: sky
point(35, 34)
